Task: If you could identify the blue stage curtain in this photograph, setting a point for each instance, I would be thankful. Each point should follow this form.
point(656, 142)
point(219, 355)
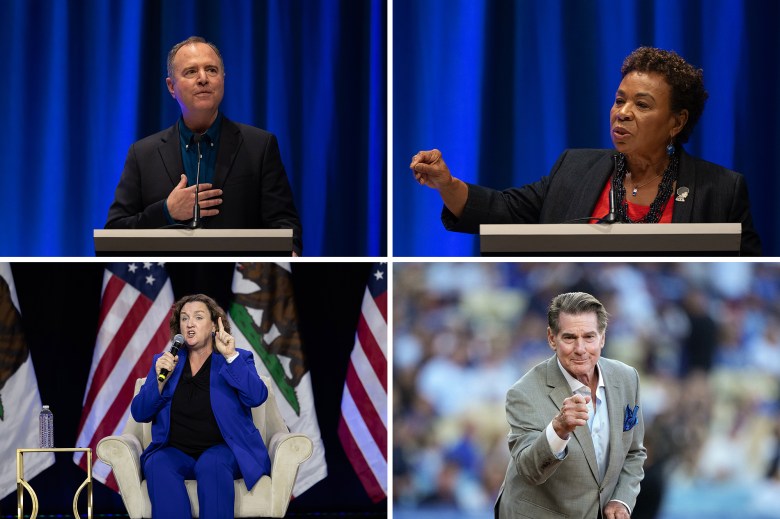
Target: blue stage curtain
point(503, 87)
point(86, 78)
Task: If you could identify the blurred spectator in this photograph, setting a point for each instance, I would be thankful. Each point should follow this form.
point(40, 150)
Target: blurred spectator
point(698, 347)
point(764, 350)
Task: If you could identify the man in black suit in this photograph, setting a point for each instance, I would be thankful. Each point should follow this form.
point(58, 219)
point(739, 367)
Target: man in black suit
point(242, 179)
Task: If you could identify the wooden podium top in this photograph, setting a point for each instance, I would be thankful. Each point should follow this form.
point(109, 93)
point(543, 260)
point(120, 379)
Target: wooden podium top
point(675, 239)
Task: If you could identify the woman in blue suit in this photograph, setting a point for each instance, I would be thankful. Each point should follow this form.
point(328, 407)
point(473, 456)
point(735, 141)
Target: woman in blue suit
point(201, 416)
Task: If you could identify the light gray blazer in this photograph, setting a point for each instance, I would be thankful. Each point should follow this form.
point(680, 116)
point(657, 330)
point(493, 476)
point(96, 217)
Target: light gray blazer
point(540, 486)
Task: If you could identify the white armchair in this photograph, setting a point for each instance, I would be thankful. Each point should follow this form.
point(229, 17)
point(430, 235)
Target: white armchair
point(269, 497)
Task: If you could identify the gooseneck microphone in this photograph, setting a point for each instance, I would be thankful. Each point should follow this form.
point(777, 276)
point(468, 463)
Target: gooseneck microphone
point(611, 217)
point(196, 138)
point(178, 341)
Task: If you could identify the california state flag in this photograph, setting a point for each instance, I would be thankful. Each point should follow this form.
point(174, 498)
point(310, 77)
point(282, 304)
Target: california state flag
point(20, 401)
point(264, 321)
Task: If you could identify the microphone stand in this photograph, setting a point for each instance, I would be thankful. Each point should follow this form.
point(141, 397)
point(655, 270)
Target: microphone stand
point(611, 217)
point(196, 208)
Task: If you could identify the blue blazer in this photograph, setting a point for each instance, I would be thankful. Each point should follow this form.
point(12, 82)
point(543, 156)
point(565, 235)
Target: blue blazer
point(235, 389)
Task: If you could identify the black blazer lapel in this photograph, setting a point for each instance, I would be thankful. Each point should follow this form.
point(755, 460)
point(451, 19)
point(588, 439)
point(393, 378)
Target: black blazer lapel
point(170, 153)
point(591, 184)
point(682, 212)
point(230, 141)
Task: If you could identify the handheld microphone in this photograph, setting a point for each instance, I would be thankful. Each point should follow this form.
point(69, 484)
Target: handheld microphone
point(611, 217)
point(178, 341)
point(196, 208)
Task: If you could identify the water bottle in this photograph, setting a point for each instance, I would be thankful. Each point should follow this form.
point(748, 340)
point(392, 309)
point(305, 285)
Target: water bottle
point(46, 420)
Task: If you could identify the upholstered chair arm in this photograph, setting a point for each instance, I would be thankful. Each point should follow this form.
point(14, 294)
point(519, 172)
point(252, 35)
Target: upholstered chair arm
point(287, 452)
point(123, 454)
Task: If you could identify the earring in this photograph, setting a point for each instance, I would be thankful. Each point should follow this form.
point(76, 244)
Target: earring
point(670, 147)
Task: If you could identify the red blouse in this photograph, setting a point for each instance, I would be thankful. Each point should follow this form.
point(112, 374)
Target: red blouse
point(635, 211)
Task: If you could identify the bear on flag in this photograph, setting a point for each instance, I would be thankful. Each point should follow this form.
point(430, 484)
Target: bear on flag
point(264, 320)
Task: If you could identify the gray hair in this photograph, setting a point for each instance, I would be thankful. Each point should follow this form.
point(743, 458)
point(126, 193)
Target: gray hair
point(576, 303)
point(190, 41)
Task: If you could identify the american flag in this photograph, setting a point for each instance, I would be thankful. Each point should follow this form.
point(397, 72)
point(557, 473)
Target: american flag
point(132, 327)
point(363, 423)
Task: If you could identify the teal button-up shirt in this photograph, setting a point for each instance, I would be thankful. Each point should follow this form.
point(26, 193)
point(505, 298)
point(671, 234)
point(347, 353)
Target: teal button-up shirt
point(209, 145)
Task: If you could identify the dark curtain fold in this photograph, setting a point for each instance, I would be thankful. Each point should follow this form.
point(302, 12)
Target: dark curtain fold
point(86, 78)
point(503, 87)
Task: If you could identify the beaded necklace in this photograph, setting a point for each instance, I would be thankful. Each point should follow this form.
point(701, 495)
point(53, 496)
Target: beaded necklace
point(664, 191)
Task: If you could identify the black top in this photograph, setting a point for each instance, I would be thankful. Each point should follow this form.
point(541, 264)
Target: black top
point(572, 189)
point(193, 426)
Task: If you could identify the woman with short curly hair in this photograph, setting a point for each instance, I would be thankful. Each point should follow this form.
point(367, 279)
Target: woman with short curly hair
point(200, 402)
point(651, 178)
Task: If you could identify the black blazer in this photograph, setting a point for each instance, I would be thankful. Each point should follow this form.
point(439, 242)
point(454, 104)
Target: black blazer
point(249, 171)
point(571, 190)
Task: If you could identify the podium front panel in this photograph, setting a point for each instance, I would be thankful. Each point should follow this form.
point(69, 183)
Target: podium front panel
point(193, 242)
point(694, 239)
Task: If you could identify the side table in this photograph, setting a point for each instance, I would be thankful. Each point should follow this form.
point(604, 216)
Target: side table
point(21, 484)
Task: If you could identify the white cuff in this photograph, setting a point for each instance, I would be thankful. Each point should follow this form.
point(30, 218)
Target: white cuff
point(557, 445)
point(622, 503)
point(232, 357)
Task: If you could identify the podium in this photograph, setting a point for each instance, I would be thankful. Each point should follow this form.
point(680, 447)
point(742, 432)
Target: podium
point(673, 239)
point(193, 242)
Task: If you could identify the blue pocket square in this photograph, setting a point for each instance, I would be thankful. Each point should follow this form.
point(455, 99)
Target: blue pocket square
point(631, 418)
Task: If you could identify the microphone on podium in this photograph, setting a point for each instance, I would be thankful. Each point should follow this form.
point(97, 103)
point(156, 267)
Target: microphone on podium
point(178, 341)
point(611, 217)
point(196, 138)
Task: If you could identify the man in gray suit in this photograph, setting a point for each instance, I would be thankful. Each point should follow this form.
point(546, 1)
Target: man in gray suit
point(572, 454)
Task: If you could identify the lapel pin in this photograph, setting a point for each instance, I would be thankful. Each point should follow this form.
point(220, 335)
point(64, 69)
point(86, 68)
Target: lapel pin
point(682, 194)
